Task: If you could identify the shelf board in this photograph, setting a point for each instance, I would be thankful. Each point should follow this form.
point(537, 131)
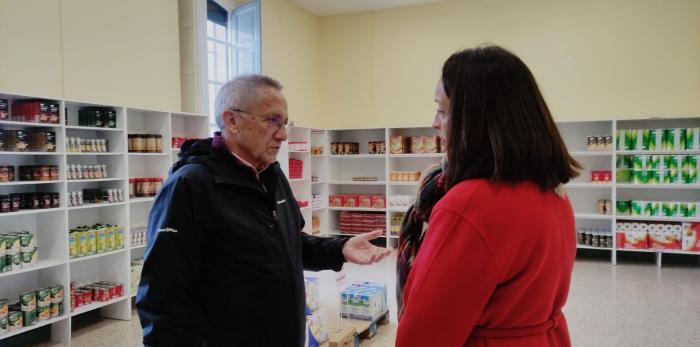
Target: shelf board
point(658, 186)
point(176, 149)
point(588, 185)
point(417, 155)
point(96, 305)
point(99, 255)
point(319, 208)
point(591, 153)
point(299, 179)
point(398, 209)
point(319, 182)
point(31, 124)
point(358, 183)
point(591, 247)
point(393, 237)
point(23, 212)
point(148, 154)
point(41, 264)
point(301, 152)
point(659, 218)
point(357, 156)
point(95, 153)
point(96, 180)
point(678, 152)
point(593, 216)
point(678, 251)
point(80, 127)
point(357, 209)
point(30, 153)
point(146, 199)
point(646, 250)
point(102, 204)
point(397, 183)
point(138, 246)
point(24, 183)
point(38, 324)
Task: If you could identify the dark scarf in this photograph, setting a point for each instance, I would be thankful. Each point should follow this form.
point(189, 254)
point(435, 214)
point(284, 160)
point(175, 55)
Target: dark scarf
point(411, 236)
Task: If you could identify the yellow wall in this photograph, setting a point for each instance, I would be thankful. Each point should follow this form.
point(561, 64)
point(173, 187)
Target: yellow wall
point(115, 52)
point(30, 52)
point(291, 54)
point(593, 59)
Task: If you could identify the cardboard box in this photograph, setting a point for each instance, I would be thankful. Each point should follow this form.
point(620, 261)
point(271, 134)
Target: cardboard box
point(417, 144)
point(691, 237)
point(350, 201)
point(431, 144)
point(341, 337)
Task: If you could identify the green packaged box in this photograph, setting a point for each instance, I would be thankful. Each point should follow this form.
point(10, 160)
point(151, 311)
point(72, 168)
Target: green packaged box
point(43, 313)
point(689, 162)
point(652, 209)
point(623, 207)
point(670, 176)
point(27, 240)
point(690, 176)
point(655, 139)
point(640, 176)
point(28, 301)
point(669, 208)
point(620, 136)
point(643, 137)
point(43, 297)
point(624, 176)
point(111, 239)
point(57, 294)
point(682, 138)
point(637, 207)
point(13, 244)
point(654, 176)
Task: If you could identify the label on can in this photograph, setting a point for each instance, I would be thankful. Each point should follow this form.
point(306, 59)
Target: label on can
point(25, 240)
point(28, 301)
point(14, 321)
point(101, 240)
point(43, 297)
point(111, 239)
point(72, 245)
point(690, 176)
point(57, 294)
point(4, 310)
point(655, 176)
point(29, 317)
point(669, 208)
point(637, 207)
point(119, 237)
point(82, 243)
point(653, 208)
point(43, 313)
point(630, 139)
point(640, 176)
point(13, 244)
point(643, 139)
point(3, 325)
point(54, 312)
point(640, 162)
point(16, 260)
point(623, 207)
point(670, 176)
point(682, 138)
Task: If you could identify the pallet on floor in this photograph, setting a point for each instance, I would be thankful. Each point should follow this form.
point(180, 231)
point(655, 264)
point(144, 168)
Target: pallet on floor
point(362, 330)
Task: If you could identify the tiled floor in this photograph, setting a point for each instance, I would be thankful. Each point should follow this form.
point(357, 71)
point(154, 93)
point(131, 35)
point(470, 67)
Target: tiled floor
point(631, 304)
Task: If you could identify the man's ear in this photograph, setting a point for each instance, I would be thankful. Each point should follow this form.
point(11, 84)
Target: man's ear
point(230, 121)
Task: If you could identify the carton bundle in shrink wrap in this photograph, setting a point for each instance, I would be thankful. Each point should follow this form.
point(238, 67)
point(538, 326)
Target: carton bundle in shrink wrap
point(363, 301)
point(316, 323)
point(674, 236)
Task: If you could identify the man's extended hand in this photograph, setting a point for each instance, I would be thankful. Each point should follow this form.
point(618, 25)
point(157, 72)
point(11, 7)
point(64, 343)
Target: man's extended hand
point(358, 250)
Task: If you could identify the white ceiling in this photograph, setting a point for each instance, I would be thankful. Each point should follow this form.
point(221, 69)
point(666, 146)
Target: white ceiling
point(333, 7)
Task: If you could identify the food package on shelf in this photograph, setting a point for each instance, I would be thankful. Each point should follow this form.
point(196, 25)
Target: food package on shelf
point(691, 237)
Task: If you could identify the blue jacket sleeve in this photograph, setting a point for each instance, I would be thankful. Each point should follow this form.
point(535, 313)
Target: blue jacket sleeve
point(172, 265)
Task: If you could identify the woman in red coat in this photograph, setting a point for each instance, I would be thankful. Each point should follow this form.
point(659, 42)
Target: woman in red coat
point(495, 266)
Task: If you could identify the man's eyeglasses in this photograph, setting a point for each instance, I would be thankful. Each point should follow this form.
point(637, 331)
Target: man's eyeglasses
point(273, 122)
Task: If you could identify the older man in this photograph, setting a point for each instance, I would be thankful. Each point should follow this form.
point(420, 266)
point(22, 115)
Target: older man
point(225, 256)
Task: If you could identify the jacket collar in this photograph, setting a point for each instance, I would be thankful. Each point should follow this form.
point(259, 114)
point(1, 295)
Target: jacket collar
point(246, 174)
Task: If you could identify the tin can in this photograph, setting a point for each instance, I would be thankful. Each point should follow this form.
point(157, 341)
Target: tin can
point(596, 176)
point(13, 244)
point(669, 208)
point(29, 317)
point(111, 239)
point(27, 258)
point(54, 311)
point(57, 294)
point(60, 309)
point(4, 310)
point(43, 297)
point(14, 321)
point(28, 301)
point(101, 240)
point(72, 245)
point(682, 138)
point(692, 209)
point(640, 162)
point(43, 313)
point(3, 325)
point(655, 176)
point(3, 247)
point(623, 207)
point(16, 261)
point(119, 237)
point(91, 242)
point(82, 243)
point(690, 162)
point(637, 207)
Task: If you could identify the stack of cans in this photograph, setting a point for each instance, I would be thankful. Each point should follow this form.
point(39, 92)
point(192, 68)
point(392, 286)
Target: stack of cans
point(18, 250)
point(84, 240)
point(97, 291)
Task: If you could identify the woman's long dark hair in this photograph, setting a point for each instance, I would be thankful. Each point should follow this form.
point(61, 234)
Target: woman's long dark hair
point(500, 127)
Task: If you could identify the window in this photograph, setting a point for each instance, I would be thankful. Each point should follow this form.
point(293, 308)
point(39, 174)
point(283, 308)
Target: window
point(232, 47)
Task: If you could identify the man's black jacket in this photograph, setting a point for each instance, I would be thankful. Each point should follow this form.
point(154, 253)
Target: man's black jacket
point(225, 256)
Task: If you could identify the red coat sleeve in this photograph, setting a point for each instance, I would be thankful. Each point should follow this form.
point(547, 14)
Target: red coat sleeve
point(450, 283)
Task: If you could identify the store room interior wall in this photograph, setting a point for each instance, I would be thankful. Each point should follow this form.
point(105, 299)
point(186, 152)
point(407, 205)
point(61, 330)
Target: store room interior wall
point(593, 59)
point(122, 52)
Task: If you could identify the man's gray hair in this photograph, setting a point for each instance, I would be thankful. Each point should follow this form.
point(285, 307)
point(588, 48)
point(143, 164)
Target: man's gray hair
point(241, 93)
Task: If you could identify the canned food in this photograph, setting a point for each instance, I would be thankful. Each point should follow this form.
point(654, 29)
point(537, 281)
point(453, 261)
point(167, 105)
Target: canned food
point(29, 317)
point(72, 245)
point(630, 139)
point(101, 240)
point(690, 176)
point(43, 297)
point(54, 311)
point(641, 176)
point(43, 313)
point(637, 207)
point(27, 258)
point(16, 261)
point(652, 209)
point(119, 237)
point(3, 325)
point(28, 301)
point(26, 240)
point(57, 294)
point(3, 247)
point(14, 321)
point(13, 244)
point(3, 308)
point(91, 242)
point(670, 176)
point(111, 239)
point(82, 243)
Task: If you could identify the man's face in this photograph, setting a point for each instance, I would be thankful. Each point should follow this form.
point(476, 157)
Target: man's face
point(442, 115)
point(256, 133)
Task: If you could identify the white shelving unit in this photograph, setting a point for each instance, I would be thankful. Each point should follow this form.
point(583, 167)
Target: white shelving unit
point(50, 226)
point(584, 195)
